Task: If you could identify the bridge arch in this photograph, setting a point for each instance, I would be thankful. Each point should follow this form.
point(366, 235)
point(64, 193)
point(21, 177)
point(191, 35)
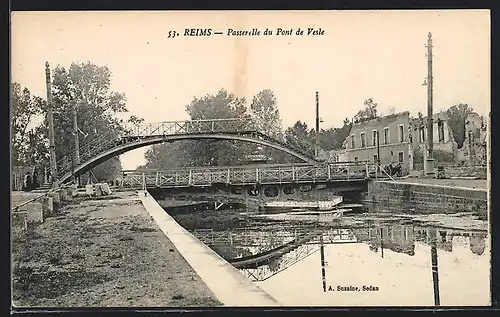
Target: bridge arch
point(157, 139)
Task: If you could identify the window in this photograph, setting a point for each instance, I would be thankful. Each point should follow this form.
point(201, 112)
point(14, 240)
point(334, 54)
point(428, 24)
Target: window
point(375, 158)
point(374, 137)
point(353, 141)
point(363, 140)
point(386, 135)
point(401, 135)
point(356, 159)
point(471, 137)
point(400, 157)
point(440, 130)
point(422, 135)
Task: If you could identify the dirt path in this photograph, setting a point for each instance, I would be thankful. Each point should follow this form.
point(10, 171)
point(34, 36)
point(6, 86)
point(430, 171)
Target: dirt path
point(103, 253)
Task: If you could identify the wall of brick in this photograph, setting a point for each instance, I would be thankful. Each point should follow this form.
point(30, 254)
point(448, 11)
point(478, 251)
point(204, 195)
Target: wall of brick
point(387, 196)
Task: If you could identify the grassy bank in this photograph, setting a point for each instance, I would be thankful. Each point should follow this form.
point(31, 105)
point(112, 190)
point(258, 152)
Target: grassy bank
point(102, 253)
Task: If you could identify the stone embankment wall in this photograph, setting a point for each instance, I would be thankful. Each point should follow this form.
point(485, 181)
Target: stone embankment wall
point(466, 171)
point(398, 197)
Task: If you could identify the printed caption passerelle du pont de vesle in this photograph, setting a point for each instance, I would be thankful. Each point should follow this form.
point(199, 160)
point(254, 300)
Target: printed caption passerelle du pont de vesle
point(194, 32)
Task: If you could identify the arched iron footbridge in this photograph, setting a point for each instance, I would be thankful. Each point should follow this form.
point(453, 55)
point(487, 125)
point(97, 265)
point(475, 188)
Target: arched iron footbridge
point(139, 135)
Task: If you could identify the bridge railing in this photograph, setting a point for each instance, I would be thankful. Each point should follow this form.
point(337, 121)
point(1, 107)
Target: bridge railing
point(240, 175)
point(234, 125)
point(132, 131)
point(87, 151)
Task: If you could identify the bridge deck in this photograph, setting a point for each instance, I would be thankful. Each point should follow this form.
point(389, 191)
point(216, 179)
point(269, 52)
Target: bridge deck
point(244, 175)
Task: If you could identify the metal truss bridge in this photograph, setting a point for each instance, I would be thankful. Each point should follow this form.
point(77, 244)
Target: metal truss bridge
point(248, 175)
point(135, 136)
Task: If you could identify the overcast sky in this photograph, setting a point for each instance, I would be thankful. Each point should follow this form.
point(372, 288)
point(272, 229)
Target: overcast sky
point(362, 54)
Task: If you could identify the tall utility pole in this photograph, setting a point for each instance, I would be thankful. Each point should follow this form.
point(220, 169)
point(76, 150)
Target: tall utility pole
point(50, 118)
point(316, 149)
point(378, 152)
point(429, 167)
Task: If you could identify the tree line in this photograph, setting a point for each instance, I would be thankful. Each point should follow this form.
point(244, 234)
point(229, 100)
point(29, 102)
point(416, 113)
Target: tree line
point(86, 88)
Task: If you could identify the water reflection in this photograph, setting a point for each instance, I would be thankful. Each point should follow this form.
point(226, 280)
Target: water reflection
point(373, 264)
point(377, 265)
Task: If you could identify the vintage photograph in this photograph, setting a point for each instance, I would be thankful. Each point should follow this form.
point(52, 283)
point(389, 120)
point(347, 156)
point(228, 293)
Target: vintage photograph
point(250, 158)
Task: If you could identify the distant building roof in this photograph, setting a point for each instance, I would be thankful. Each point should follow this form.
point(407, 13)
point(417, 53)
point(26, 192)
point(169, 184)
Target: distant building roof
point(395, 115)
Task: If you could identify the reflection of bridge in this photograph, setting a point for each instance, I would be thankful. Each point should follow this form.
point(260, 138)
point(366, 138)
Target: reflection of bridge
point(252, 238)
point(273, 258)
point(135, 136)
point(280, 264)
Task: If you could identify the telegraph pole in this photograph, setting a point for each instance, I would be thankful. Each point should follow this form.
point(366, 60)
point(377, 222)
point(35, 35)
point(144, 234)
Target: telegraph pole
point(429, 168)
point(378, 152)
point(316, 150)
point(50, 118)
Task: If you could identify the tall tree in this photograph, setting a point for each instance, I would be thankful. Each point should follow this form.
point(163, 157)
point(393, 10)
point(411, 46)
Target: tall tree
point(25, 108)
point(368, 113)
point(219, 106)
point(457, 115)
point(87, 87)
point(298, 134)
point(167, 155)
point(265, 109)
point(333, 138)
point(223, 105)
point(343, 133)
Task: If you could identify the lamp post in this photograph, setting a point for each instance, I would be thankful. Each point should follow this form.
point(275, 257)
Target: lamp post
point(378, 152)
point(316, 149)
point(429, 161)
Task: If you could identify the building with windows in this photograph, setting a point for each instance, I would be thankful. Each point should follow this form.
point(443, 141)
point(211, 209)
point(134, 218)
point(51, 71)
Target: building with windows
point(386, 136)
point(475, 143)
point(399, 138)
point(442, 133)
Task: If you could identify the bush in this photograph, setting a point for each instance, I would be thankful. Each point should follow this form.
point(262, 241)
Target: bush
point(439, 155)
point(444, 157)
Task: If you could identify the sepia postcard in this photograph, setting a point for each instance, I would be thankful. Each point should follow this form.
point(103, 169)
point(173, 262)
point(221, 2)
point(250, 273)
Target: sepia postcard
point(250, 158)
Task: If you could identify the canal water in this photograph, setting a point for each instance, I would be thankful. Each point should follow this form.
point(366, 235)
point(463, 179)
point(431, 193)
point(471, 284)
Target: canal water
point(335, 263)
